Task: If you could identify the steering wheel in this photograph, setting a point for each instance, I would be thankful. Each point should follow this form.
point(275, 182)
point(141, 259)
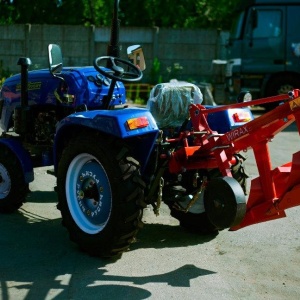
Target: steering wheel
point(116, 69)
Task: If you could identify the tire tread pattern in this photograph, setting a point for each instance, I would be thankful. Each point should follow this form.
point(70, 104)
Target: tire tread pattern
point(127, 196)
point(19, 188)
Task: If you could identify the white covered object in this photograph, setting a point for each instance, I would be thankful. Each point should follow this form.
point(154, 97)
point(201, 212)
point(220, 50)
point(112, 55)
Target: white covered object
point(169, 102)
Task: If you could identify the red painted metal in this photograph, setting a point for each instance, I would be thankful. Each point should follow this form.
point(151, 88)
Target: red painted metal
point(274, 190)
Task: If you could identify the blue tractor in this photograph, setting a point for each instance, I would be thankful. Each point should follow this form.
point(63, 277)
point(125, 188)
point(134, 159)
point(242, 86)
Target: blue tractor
point(112, 159)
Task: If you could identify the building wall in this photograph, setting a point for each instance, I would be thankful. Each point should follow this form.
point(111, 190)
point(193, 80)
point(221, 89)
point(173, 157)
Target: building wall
point(192, 51)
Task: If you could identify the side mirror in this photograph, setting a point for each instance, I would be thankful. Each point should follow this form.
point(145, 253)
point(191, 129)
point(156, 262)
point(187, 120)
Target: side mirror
point(136, 56)
point(55, 59)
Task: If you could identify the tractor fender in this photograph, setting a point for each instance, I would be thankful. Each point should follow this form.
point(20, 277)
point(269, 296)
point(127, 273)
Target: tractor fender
point(226, 120)
point(22, 155)
point(136, 126)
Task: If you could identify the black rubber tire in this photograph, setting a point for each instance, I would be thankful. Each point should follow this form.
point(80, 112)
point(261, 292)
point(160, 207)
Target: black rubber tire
point(120, 200)
point(200, 223)
point(13, 188)
point(197, 223)
point(224, 202)
point(280, 85)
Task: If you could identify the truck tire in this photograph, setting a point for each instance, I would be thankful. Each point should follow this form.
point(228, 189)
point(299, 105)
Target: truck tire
point(199, 222)
point(13, 188)
point(101, 195)
point(280, 85)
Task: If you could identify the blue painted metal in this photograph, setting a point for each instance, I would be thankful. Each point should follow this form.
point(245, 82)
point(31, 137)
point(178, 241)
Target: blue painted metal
point(223, 121)
point(88, 189)
point(112, 122)
point(85, 85)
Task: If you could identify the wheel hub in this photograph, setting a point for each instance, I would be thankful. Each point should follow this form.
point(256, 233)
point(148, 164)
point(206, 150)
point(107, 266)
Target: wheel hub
point(90, 190)
point(88, 193)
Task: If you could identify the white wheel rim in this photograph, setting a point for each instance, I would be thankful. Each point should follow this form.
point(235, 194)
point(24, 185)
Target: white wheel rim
point(88, 193)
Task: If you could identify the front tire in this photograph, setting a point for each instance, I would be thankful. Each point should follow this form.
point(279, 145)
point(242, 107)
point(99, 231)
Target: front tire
point(13, 188)
point(100, 194)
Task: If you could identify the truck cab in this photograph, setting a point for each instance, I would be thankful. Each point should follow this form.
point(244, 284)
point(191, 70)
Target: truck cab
point(263, 50)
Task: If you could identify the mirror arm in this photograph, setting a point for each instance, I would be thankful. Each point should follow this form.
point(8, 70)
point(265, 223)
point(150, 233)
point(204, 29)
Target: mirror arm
point(58, 76)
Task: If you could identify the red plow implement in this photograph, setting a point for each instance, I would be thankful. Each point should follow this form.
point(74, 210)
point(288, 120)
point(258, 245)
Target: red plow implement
point(274, 190)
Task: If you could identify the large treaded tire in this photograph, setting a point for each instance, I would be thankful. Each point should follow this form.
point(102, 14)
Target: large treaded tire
point(280, 85)
point(101, 195)
point(13, 188)
point(199, 222)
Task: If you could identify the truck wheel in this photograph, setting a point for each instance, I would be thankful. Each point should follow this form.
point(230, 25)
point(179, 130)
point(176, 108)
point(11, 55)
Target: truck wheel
point(280, 85)
point(198, 221)
point(13, 188)
point(101, 195)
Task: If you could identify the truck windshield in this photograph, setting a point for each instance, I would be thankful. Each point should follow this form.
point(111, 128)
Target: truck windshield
point(269, 24)
point(236, 28)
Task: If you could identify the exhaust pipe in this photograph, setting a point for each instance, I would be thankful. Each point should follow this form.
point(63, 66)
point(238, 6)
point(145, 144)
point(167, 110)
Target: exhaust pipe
point(22, 118)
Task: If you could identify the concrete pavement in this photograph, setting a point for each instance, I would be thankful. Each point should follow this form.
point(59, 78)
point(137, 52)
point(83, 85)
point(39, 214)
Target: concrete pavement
point(37, 260)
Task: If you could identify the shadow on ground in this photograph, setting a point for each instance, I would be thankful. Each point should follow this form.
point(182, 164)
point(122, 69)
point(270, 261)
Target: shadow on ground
point(38, 261)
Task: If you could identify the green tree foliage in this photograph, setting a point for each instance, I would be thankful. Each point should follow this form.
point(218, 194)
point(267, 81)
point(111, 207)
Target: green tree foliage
point(216, 13)
point(98, 12)
point(35, 12)
point(41, 12)
point(161, 13)
point(6, 12)
point(182, 14)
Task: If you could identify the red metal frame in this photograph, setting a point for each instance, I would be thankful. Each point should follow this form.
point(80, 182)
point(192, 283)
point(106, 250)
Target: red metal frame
point(274, 190)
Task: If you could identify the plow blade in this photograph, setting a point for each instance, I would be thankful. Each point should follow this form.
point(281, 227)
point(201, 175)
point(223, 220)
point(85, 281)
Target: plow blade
point(274, 190)
point(286, 181)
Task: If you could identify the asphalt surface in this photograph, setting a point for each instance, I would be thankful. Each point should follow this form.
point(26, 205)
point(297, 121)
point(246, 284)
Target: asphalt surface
point(37, 260)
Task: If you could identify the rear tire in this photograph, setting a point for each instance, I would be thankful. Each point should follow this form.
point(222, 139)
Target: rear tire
point(13, 188)
point(100, 194)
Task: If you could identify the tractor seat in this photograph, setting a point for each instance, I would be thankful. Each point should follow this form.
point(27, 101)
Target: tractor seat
point(169, 102)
